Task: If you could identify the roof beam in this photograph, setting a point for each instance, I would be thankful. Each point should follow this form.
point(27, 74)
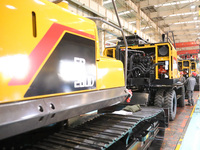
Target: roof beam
point(100, 11)
point(183, 40)
point(192, 30)
point(172, 21)
point(143, 15)
point(161, 13)
point(180, 27)
point(148, 3)
point(188, 48)
point(148, 31)
point(188, 36)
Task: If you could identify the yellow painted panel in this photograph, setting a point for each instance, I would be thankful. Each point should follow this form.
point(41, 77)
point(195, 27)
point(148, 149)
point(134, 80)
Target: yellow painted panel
point(109, 73)
point(17, 39)
point(163, 58)
point(63, 4)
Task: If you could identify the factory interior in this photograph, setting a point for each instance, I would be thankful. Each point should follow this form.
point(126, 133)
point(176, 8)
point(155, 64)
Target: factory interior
point(100, 75)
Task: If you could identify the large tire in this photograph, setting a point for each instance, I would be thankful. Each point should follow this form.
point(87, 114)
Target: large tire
point(181, 100)
point(170, 102)
point(159, 98)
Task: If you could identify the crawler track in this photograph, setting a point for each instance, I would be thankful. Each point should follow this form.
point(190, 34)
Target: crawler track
point(104, 132)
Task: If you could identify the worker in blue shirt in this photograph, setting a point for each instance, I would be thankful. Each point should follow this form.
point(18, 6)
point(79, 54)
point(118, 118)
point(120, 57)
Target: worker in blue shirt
point(190, 83)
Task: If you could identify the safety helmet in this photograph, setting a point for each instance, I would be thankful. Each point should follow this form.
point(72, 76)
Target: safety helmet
point(194, 74)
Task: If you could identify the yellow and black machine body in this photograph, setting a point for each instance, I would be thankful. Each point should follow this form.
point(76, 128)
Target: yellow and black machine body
point(50, 67)
point(186, 67)
point(152, 67)
point(50, 71)
point(193, 66)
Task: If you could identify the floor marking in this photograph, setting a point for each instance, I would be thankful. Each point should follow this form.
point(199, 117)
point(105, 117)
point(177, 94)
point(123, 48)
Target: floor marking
point(181, 139)
point(193, 110)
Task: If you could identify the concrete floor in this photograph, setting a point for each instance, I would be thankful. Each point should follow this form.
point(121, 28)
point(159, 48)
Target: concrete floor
point(177, 128)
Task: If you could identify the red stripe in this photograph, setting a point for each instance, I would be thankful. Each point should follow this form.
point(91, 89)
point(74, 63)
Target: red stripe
point(43, 48)
point(175, 59)
point(186, 44)
point(188, 52)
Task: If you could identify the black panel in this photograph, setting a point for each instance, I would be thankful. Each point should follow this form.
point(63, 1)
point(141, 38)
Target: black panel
point(180, 67)
point(192, 65)
point(163, 50)
point(164, 82)
point(138, 81)
point(71, 67)
point(186, 63)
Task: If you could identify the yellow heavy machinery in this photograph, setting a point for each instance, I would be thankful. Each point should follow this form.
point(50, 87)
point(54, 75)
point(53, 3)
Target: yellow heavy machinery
point(153, 68)
point(193, 66)
point(50, 71)
point(187, 66)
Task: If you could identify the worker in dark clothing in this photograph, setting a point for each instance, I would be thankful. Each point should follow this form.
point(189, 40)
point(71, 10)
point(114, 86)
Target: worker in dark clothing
point(190, 83)
point(182, 78)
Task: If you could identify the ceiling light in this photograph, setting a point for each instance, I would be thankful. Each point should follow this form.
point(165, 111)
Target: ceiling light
point(197, 26)
point(176, 3)
point(132, 22)
point(123, 13)
point(195, 18)
point(107, 2)
point(187, 22)
point(182, 14)
point(193, 7)
point(145, 28)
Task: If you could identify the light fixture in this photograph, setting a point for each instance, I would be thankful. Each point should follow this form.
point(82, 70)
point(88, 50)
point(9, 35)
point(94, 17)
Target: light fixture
point(183, 14)
point(195, 18)
point(194, 21)
point(193, 7)
point(123, 13)
point(197, 26)
point(107, 2)
point(132, 22)
point(176, 3)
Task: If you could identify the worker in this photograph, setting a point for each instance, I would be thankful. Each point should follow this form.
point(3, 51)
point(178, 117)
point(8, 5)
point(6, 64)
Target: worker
point(190, 83)
point(162, 72)
point(182, 78)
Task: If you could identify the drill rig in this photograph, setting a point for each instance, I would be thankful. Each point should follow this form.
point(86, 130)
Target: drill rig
point(153, 68)
point(52, 71)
